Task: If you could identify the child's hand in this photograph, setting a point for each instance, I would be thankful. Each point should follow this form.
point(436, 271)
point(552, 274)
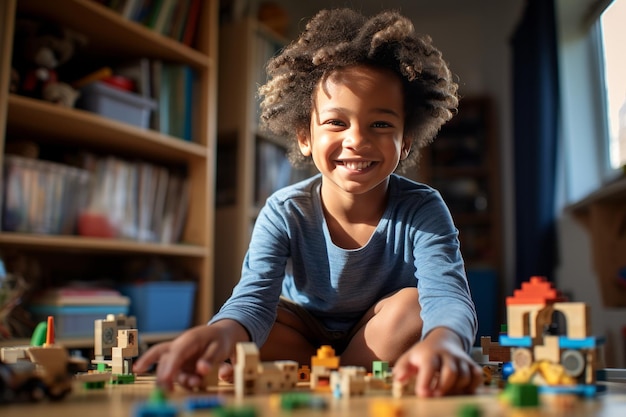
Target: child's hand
point(193, 354)
point(440, 366)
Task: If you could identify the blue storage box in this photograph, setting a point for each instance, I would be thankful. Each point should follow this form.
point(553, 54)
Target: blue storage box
point(161, 306)
point(75, 321)
point(114, 103)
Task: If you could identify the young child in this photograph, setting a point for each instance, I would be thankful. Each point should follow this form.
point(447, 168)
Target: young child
point(356, 257)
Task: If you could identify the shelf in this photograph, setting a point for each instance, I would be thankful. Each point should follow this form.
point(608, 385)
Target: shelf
point(60, 133)
point(90, 128)
point(95, 245)
point(122, 37)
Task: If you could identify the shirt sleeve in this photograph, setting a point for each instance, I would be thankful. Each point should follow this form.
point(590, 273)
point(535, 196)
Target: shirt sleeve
point(445, 297)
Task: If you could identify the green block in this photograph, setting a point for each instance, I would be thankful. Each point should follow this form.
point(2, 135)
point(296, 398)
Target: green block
point(522, 395)
point(469, 410)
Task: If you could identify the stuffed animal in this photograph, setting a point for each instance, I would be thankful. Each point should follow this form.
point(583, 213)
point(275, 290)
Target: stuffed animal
point(39, 49)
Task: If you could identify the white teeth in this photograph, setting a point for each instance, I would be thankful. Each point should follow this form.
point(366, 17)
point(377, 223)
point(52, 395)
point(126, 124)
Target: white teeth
point(357, 165)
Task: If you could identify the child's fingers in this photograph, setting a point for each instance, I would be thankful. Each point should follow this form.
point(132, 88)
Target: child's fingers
point(426, 378)
point(451, 375)
point(150, 357)
point(477, 378)
point(403, 369)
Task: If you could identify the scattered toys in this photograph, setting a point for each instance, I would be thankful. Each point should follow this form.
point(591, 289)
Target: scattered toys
point(35, 372)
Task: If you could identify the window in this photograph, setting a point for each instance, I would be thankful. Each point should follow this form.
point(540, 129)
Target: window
point(614, 55)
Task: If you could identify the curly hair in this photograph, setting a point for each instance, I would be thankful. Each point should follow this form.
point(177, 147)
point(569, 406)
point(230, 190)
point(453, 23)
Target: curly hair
point(339, 38)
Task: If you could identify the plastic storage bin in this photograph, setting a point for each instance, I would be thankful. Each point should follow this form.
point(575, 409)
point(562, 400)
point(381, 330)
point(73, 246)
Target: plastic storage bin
point(41, 196)
point(75, 321)
point(116, 104)
point(161, 306)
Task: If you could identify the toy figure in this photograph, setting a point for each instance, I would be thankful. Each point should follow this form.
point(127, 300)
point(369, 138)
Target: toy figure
point(40, 48)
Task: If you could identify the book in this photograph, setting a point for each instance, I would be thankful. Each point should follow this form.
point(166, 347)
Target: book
point(164, 16)
point(179, 19)
point(191, 23)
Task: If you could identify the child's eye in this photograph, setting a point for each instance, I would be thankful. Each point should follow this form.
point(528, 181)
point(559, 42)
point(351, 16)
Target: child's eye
point(335, 122)
point(381, 124)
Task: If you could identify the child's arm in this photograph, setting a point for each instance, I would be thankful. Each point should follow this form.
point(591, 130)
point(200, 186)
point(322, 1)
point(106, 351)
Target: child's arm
point(190, 356)
point(440, 366)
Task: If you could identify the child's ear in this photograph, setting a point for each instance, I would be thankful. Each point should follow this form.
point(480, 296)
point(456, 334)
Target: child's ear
point(304, 142)
point(406, 148)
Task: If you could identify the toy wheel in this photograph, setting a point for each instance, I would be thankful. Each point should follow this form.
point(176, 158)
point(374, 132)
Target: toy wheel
point(574, 362)
point(521, 358)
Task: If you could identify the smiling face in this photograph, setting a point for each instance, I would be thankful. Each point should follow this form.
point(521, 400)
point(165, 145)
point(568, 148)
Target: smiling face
point(356, 137)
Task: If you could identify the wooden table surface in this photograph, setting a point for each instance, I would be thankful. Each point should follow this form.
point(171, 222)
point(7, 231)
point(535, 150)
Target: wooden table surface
point(121, 400)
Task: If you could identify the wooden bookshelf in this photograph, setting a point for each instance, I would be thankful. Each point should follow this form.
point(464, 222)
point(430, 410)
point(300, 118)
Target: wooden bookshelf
point(245, 47)
point(111, 35)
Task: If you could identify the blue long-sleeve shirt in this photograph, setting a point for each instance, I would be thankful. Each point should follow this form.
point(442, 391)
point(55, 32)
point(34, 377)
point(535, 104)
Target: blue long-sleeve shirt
point(291, 253)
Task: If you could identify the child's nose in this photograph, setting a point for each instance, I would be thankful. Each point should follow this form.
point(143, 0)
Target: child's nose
point(356, 138)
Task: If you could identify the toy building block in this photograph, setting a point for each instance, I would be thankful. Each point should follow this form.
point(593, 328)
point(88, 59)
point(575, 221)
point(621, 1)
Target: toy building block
point(469, 410)
point(156, 406)
point(520, 395)
point(203, 403)
point(304, 373)
point(402, 389)
point(93, 380)
point(126, 349)
point(325, 358)
point(50, 335)
point(385, 408)
point(236, 411)
point(276, 376)
point(349, 381)
point(105, 334)
point(254, 377)
point(380, 369)
point(493, 350)
point(211, 379)
point(577, 319)
point(246, 369)
point(321, 366)
point(302, 400)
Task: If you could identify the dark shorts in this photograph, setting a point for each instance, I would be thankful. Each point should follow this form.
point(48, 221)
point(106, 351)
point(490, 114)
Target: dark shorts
point(314, 330)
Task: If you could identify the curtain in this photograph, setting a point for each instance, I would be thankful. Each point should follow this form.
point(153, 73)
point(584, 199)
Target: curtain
point(535, 124)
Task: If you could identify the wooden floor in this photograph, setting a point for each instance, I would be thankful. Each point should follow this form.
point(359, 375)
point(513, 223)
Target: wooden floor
point(121, 400)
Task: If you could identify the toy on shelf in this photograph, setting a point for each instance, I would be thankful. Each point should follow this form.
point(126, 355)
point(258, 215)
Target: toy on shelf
point(40, 48)
point(550, 340)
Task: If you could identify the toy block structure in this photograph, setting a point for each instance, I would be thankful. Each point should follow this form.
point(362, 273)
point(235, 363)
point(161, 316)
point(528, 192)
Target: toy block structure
point(47, 367)
point(116, 343)
point(321, 366)
point(127, 348)
point(349, 381)
point(560, 363)
point(106, 333)
point(255, 377)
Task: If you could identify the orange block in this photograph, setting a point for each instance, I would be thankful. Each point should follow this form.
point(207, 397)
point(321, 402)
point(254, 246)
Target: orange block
point(536, 291)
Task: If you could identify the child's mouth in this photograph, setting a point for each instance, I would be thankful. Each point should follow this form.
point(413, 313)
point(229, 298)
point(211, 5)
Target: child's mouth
point(356, 165)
